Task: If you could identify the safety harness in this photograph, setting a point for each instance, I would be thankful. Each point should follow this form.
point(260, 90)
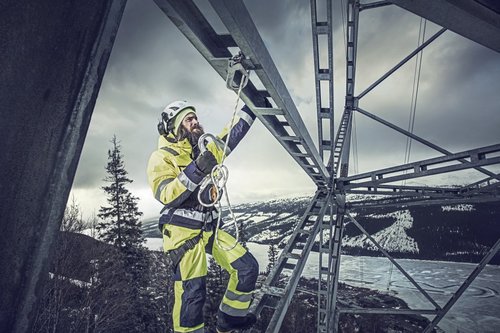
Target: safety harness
point(237, 78)
point(177, 254)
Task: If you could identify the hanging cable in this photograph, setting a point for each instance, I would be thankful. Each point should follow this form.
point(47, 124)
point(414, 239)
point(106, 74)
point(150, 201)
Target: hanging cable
point(415, 88)
point(219, 175)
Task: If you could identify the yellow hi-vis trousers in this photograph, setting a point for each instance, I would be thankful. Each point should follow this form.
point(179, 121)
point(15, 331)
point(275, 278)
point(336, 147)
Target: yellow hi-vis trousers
point(190, 276)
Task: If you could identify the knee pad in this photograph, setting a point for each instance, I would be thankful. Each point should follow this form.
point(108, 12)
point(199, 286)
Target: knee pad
point(248, 271)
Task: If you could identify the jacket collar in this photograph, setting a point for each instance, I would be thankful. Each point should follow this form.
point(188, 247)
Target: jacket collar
point(170, 142)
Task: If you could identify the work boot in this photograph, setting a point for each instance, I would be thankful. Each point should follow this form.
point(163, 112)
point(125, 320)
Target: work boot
point(230, 324)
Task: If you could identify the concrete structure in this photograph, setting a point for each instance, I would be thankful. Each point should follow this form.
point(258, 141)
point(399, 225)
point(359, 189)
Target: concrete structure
point(52, 58)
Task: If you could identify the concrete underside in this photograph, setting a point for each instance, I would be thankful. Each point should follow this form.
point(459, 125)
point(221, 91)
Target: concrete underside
point(52, 58)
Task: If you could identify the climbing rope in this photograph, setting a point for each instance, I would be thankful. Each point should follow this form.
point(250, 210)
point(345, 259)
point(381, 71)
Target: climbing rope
point(219, 175)
point(413, 109)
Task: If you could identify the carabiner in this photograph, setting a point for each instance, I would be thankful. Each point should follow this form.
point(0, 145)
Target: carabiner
point(237, 75)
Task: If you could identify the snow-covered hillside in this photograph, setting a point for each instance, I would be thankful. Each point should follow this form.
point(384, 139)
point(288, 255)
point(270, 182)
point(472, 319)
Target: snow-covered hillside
point(393, 238)
point(451, 232)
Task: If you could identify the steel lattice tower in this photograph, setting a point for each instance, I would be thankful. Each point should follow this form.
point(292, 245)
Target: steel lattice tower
point(328, 165)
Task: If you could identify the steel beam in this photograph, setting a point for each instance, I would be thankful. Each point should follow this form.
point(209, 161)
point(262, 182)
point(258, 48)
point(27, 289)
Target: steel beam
point(423, 201)
point(375, 4)
point(477, 157)
point(419, 139)
point(398, 190)
point(401, 63)
point(291, 133)
point(240, 25)
point(483, 185)
point(387, 311)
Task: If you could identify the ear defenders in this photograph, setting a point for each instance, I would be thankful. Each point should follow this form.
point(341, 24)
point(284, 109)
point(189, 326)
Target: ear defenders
point(165, 125)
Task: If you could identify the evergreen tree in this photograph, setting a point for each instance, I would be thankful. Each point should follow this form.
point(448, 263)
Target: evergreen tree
point(272, 255)
point(243, 235)
point(217, 280)
point(120, 224)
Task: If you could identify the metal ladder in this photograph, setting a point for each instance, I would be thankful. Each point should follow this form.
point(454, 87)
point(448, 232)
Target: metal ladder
point(324, 108)
point(329, 249)
point(276, 294)
point(339, 140)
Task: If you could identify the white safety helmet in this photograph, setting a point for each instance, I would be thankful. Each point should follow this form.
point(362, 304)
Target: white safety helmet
point(170, 113)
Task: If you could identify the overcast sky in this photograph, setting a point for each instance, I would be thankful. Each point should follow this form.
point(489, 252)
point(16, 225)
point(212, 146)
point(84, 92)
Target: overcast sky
point(152, 64)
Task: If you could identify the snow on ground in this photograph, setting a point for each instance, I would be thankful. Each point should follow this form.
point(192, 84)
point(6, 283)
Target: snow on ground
point(266, 235)
point(393, 238)
point(259, 217)
point(458, 208)
point(154, 244)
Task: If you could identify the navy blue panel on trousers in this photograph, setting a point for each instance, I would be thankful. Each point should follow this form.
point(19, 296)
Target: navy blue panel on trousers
point(248, 270)
point(193, 300)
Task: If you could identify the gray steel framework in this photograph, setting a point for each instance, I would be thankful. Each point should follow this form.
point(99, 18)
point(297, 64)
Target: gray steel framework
point(329, 209)
point(282, 119)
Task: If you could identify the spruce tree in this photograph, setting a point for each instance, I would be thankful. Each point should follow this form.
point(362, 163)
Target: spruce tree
point(120, 224)
point(243, 234)
point(272, 255)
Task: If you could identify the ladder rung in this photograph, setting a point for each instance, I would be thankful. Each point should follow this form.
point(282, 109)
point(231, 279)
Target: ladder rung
point(304, 231)
point(300, 154)
point(269, 111)
point(324, 76)
point(273, 291)
point(290, 138)
point(293, 255)
point(310, 166)
point(299, 246)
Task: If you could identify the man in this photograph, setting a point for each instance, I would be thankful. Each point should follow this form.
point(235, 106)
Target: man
point(175, 172)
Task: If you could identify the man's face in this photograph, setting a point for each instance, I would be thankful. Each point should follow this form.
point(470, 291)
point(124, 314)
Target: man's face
point(191, 124)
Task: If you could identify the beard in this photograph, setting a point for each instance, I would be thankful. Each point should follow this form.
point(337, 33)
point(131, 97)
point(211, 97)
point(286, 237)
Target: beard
point(192, 135)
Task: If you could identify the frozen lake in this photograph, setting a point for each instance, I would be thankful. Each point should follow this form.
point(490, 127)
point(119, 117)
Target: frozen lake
point(478, 310)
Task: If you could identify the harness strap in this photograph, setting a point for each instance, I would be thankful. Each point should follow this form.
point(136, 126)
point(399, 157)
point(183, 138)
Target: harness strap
point(177, 254)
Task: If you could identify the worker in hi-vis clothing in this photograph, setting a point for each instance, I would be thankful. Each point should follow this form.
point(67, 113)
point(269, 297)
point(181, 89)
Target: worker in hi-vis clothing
point(175, 171)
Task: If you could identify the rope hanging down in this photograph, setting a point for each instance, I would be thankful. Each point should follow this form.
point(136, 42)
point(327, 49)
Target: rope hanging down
point(219, 175)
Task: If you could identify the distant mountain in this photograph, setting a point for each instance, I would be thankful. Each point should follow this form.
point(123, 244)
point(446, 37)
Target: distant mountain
point(462, 232)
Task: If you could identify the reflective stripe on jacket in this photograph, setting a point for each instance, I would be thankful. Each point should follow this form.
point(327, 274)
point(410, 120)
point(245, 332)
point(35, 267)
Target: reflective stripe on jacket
point(172, 173)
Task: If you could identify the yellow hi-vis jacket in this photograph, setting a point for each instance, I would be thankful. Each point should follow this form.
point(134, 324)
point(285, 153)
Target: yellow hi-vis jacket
point(172, 172)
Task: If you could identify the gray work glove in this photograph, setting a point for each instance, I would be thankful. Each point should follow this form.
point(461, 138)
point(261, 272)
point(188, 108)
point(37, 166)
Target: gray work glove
point(206, 162)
